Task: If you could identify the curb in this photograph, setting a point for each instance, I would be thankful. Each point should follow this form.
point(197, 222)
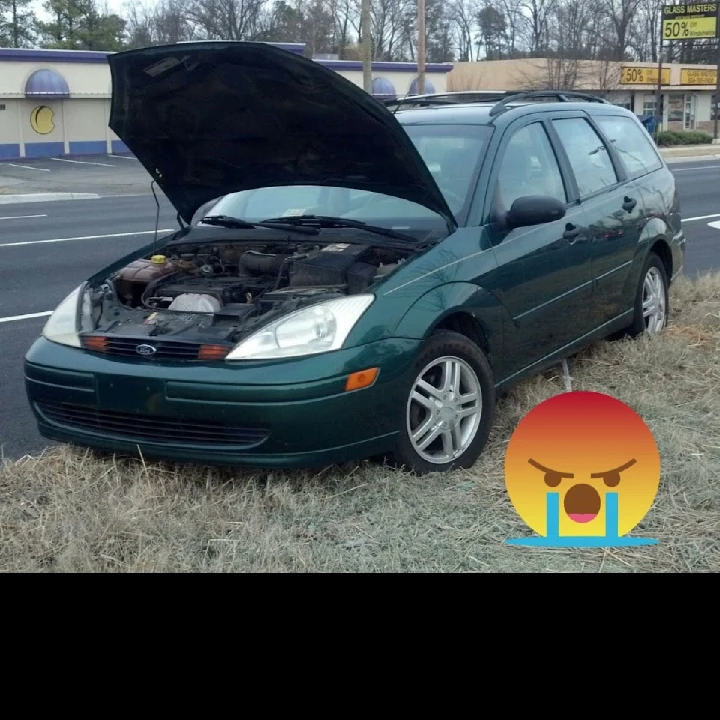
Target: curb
point(46, 197)
point(669, 159)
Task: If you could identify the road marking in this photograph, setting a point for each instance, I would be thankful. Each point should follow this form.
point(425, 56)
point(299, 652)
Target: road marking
point(715, 225)
point(28, 167)
point(29, 316)
point(20, 217)
point(701, 217)
point(702, 167)
point(82, 162)
point(85, 237)
point(123, 157)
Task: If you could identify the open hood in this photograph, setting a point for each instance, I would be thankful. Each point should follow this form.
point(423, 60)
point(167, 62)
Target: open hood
point(215, 117)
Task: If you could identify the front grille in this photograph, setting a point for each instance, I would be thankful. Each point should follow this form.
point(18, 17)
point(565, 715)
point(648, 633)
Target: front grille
point(164, 349)
point(151, 428)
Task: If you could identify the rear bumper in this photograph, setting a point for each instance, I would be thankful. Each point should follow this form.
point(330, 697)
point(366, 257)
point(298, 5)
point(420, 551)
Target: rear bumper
point(290, 414)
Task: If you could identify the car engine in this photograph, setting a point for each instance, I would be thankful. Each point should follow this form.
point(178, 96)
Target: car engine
point(220, 293)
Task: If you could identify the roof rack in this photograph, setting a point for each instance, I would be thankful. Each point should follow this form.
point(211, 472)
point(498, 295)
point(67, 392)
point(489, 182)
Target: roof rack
point(561, 95)
point(422, 100)
point(449, 98)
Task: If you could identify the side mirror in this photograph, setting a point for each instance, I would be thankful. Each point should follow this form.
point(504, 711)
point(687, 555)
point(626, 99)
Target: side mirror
point(535, 210)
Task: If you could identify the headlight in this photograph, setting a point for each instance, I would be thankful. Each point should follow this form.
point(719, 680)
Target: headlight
point(62, 326)
point(314, 329)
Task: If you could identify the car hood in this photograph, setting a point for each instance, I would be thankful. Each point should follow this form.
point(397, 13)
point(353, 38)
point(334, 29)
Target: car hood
point(210, 118)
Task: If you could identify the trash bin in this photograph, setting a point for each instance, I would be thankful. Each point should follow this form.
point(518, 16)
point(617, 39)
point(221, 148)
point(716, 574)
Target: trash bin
point(649, 123)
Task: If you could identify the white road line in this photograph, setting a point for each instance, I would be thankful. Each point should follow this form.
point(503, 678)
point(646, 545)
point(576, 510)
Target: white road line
point(715, 225)
point(85, 237)
point(702, 167)
point(123, 157)
point(701, 217)
point(20, 217)
point(82, 162)
point(29, 316)
point(28, 167)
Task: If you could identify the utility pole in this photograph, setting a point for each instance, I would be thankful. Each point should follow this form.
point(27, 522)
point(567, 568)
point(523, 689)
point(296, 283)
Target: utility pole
point(421, 47)
point(366, 45)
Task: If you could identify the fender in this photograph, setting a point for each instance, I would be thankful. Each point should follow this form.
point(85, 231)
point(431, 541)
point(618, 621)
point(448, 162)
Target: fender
point(442, 301)
point(654, 230)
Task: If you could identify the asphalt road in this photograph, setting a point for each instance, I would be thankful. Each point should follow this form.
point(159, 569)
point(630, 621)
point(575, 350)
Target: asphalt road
point(47, 249)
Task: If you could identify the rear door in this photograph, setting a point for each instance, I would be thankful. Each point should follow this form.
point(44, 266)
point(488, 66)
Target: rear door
point(614, 208)
point(636, 151)
point(543, 276)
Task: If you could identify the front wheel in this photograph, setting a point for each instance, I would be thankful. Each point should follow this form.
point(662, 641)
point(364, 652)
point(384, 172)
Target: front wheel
point(449, 406)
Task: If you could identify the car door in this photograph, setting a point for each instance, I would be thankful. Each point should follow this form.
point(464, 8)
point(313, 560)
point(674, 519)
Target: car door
point(543, 277)
point(613, 204)
point(639, 156)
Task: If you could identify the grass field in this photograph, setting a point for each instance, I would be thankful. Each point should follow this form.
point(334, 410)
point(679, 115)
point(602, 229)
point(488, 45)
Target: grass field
point(70, 511)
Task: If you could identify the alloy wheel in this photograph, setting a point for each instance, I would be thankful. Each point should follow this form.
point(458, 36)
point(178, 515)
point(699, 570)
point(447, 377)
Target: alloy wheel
point(444, 410)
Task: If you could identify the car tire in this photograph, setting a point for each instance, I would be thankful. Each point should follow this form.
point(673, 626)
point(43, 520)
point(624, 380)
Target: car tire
point(459, 442)
point(653, 281)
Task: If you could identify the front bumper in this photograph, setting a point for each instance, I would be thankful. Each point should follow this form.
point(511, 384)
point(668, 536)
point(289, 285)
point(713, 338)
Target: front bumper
point(291, 413)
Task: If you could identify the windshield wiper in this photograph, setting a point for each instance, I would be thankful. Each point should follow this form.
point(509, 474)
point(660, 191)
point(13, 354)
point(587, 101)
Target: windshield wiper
point(227, 221)
point(239, 224)
point(325, 221)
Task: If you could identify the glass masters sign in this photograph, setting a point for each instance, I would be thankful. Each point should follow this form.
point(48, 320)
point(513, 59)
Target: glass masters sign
point(689, 22)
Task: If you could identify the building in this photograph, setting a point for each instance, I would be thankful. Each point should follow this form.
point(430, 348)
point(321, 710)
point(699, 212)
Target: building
point(687, 90)
point(57, 102)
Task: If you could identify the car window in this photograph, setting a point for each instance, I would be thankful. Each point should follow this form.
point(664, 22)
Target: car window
point(632, 143)
point(529, 167)
point(453, 154)
point(278, 201)
point(588, 155)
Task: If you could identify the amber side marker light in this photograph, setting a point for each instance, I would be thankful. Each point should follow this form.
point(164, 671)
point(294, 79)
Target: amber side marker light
point(361, 379)
point(95, 342)
point(213, 352)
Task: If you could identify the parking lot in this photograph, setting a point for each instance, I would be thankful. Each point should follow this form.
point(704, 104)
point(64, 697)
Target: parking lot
point(102, 174)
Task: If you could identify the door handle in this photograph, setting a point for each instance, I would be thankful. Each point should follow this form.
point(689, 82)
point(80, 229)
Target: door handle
point(571, 234)
point(629, 204)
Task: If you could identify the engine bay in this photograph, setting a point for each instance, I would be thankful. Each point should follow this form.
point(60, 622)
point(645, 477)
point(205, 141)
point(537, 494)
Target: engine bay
point(208, 293)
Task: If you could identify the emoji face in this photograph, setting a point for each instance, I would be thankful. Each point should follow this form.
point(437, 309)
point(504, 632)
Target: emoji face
point(582, 445)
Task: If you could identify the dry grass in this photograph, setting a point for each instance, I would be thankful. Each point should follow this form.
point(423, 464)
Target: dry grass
point(71, 511)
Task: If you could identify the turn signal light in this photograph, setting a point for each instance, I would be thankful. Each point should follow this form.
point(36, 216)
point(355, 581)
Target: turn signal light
point(213, 352)
point(95, 342)
point(361, 379)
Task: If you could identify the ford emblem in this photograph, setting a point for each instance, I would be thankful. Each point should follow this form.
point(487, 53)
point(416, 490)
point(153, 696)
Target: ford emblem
point(145, 350)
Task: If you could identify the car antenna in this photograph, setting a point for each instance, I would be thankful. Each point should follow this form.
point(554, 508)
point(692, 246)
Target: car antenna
point(157, 214)
point(405, 97)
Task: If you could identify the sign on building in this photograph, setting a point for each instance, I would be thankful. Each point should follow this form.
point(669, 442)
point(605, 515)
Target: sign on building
point(690, 76)
point(639, 75)
point(689, 22)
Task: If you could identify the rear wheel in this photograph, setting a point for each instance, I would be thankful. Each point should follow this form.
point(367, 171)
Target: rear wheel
point(652, 301)
point(449, 406)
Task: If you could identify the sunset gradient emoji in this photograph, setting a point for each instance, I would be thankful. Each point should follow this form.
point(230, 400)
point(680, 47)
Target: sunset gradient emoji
point(589, 451)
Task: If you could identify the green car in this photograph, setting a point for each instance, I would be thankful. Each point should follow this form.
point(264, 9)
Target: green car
point(348, 282)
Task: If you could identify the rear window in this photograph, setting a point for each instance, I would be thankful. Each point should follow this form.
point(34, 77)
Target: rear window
point(632, 142)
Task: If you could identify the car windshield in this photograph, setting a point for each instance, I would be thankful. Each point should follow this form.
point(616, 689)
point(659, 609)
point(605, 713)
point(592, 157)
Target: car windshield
point(451, 152)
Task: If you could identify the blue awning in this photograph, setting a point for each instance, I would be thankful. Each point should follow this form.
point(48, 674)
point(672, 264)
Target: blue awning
point(382, 87)
point(429, 87)
point(46, 83)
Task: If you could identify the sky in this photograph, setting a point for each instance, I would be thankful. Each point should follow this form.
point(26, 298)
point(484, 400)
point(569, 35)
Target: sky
point(114, 6)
